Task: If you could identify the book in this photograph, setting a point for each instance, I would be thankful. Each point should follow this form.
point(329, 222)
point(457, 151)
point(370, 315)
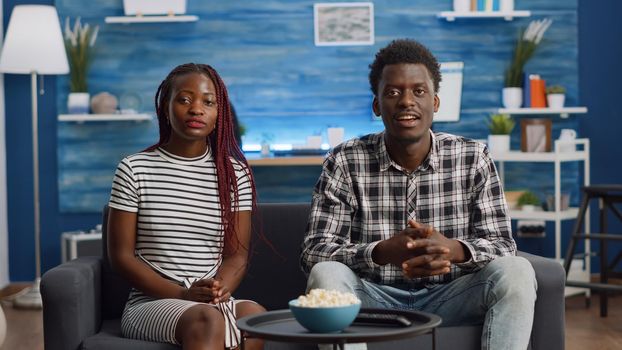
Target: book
point(526, 90)
point(538, 93)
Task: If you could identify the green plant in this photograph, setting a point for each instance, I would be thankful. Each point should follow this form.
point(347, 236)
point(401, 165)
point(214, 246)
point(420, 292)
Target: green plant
point(501, 124)
point(555, 89)
point(526, 45)
point(528, 198)
point(79, 43)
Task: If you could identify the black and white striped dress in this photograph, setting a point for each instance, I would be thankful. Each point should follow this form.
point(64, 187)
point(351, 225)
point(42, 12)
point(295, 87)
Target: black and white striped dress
point(179, 233)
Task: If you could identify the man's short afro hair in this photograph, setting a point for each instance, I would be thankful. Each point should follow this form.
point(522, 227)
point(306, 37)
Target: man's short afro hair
point(403, 51)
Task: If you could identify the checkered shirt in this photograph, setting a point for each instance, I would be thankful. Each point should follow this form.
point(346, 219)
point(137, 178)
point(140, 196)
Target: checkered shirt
point(363, 197)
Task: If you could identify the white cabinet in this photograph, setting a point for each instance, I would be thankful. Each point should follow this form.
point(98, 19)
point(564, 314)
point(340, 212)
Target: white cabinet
point(581, 153)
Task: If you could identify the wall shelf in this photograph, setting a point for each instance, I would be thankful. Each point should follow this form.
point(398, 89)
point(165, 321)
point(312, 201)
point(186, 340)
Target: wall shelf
point(151, 19)
point(563, 112)
point(451, 16)
point(285, 161)
point(81, 118)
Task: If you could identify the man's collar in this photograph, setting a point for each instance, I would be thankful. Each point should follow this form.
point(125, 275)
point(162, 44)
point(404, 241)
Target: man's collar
point(385, 161)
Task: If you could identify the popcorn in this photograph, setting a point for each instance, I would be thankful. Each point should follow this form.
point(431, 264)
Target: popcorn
point(327, 298)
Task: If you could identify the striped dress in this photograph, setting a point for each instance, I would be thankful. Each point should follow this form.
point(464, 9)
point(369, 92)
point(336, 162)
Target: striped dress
point(179, 233)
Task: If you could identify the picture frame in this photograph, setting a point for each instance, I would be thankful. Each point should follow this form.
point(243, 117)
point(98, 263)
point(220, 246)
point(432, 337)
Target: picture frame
point(536, 135)
point(343, 23)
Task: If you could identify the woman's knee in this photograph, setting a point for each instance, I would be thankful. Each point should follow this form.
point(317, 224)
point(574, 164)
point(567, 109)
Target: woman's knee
point(201, 322)
point(246, 308)
point(332, 275)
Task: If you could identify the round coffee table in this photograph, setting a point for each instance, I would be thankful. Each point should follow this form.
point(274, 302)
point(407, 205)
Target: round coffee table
point(280, 325)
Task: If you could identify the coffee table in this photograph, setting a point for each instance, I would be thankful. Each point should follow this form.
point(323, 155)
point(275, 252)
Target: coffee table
point(280, 325)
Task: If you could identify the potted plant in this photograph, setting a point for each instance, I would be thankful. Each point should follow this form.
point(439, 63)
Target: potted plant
point(555, 96)
point(501, 126)
point(79, 42)
point(529, 201)
point(526, 45)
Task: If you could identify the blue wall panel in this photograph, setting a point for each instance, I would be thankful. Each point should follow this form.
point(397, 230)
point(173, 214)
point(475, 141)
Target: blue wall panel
point(284, 87)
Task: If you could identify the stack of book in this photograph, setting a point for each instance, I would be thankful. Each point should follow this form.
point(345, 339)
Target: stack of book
point(534, 91)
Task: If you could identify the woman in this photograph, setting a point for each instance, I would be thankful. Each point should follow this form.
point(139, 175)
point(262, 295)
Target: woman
point(180, 216)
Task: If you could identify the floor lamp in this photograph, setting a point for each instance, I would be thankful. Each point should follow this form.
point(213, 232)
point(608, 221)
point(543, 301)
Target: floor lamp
point(34, 45)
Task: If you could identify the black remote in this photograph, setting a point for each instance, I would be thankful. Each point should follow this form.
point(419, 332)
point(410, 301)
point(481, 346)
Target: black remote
point(382, 319)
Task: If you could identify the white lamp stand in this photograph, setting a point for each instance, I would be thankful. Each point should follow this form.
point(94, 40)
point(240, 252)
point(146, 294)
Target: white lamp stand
point(34, 45)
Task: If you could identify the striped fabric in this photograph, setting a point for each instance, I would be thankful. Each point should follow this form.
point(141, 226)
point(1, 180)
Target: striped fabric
point(363, 197)
point(179, 233)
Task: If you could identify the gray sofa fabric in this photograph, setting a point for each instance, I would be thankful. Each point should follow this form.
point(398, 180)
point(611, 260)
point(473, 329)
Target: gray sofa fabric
point(83, 299)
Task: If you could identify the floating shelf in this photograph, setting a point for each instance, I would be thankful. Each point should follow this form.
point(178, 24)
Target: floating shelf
point(81, 118)
point(570, 213)
point(451, 16)
point(563, 112)
point(151, 19)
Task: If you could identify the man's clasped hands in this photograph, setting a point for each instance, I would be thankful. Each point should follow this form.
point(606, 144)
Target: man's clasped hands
point(420, 251)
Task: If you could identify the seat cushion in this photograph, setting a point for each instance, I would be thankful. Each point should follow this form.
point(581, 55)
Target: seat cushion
point(110, 337)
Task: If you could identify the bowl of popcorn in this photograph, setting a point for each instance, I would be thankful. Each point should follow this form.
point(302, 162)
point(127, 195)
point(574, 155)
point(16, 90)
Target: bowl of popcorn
point(325, 311)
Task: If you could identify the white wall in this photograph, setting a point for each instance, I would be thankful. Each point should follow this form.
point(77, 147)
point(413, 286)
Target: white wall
point(4, 242)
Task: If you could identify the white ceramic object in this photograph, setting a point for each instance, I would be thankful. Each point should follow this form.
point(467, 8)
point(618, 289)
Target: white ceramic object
point(462, 6)
point(506, 5)
point(556, 100)
point(512, 97)
point(567, 136)
point(314, 142)
point(78, 103)
point(335, 136)
point(498, 144)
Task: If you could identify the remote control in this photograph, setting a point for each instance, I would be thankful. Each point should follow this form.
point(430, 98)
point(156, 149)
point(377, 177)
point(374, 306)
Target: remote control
point(382, 319)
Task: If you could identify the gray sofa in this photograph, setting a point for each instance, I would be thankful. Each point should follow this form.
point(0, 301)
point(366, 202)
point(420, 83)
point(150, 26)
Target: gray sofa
point(83, 299)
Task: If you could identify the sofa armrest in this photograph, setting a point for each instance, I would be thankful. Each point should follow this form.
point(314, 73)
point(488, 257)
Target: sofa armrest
point(71, 303)
point(548, 325)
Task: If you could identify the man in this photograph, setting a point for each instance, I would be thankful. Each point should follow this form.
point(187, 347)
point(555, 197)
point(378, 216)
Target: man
point(412, 219)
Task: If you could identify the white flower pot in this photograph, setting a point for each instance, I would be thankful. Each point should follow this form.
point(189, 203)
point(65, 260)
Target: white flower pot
point(556, 100)
point(512, 97)
point(506, 5)
point(78, 103)
point(498, 143)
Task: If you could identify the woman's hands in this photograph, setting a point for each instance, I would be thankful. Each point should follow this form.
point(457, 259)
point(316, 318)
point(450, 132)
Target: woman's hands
point(208, 290)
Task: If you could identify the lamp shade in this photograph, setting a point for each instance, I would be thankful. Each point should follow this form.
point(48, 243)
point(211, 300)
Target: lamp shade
point(33, 42)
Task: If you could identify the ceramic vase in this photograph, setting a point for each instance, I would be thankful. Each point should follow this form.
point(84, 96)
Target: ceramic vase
point(556, 100)
point(78, 103)
point(512, 97)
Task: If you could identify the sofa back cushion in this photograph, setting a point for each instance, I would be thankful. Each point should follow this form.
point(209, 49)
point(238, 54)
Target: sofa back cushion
point(273, 277)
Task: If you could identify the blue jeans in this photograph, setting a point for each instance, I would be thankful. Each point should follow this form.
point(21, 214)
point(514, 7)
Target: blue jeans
point(501, 296)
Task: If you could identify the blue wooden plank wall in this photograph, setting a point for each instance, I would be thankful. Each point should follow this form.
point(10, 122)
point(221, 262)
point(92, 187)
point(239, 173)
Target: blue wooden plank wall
point(285, 88)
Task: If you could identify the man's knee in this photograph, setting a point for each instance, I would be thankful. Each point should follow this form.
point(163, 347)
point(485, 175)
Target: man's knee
point(332, 275)
point(513, 275)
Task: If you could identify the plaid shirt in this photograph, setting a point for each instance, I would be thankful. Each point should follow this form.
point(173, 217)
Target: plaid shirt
point(363, 197)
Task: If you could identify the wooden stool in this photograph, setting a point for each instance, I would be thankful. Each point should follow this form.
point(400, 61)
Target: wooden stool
point(608, 196)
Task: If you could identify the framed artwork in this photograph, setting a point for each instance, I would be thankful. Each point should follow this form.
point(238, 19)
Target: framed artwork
point(535, 135)
point(344, 23)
